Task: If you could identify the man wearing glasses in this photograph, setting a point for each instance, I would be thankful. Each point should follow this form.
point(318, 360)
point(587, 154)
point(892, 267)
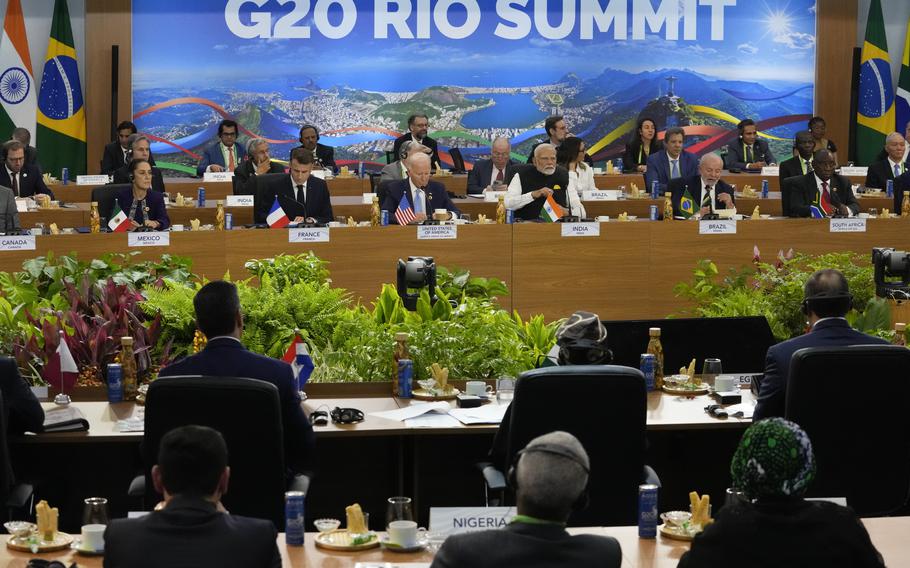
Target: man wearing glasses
point(488, 175)
point(224, 156)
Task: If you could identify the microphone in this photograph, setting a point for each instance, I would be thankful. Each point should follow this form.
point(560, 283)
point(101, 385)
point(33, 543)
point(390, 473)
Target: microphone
point(568, 217)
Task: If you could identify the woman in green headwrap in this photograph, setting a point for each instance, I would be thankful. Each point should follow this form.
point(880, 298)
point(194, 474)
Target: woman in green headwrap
point(773, 466)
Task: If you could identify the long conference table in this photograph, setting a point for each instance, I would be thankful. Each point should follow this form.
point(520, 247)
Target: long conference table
point(628, 271)
point(889, 535)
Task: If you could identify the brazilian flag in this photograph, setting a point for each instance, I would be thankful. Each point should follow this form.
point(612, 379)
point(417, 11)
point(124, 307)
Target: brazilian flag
point(61, 108)
point(875, 109)
point(687, 204)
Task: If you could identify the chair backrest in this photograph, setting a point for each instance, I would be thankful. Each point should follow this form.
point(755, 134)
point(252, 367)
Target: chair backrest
point(261, 209)
point(6, 465)
point(457, 161)
point(390, 156)
point(740, 343)
point(382, 189)
point(248, 414)
point(787, 188)
point(105, 195)
point(861, 440)
point(605, 407)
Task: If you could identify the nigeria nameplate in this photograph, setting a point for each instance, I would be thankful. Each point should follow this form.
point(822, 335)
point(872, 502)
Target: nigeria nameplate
point(437, 232)
point(718, 227)
point(308, 235)
point(580, 229)
point(150, 239)
point(17, 242)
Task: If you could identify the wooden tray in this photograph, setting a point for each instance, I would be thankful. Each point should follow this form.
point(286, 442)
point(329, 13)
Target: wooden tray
point(703, 388)
point(340, 539)
point(61, 541)
point(674, 534)
point(423, 394)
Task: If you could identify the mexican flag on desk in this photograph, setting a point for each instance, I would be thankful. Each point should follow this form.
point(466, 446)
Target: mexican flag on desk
point(17, 82)
point(875, 107)
point(119, 222)
point(551, 211)
point(61, 109)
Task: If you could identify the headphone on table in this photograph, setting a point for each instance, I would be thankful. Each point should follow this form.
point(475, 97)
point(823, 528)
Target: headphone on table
point(583, 498)
point(346, 415)
point(806, 306)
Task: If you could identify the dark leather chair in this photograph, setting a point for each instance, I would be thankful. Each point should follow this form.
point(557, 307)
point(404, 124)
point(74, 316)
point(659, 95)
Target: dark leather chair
point(787, 188)
point(390, 156)
point(260, 208)
point(605, 407)
point(740, 343)
point(457, 161)
point(248, 414)
point(106, 195)
point(853, 403)
point(19, 498)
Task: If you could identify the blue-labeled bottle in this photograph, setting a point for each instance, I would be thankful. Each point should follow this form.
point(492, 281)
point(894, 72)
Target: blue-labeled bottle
point(889, 188)
point(764, 189)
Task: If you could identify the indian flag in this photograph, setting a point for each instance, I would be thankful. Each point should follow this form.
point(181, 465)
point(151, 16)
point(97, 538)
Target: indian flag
point(551, 211)
point(687, 204)
point(875, 107)
point(18, 95)
point(119, 223)
point(61, 108)
point(903, 87)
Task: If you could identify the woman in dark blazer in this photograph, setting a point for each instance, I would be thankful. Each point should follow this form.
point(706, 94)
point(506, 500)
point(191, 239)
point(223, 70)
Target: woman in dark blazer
point(775, 526)
point(642, 144)
point(143, 207)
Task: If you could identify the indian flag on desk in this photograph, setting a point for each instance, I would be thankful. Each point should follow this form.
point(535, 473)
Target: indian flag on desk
point(551, 211)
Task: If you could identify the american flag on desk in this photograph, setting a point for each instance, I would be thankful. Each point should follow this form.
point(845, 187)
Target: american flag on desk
point(404, 214)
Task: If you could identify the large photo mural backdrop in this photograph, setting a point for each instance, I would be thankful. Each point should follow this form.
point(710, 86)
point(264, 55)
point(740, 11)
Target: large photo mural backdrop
point(477, 68)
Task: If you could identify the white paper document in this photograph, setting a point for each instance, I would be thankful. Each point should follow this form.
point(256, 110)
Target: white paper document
point(413, 411)
point(484, 414)
point(432, 420)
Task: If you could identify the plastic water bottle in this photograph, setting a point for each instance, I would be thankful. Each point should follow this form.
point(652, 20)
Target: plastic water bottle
point(764, 189)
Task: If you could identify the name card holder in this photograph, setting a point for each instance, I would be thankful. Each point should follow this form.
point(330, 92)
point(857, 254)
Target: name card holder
point(21, 205)
point(771, 171)
point(492, 195)
point(436, 232)
point(849, 225)
point(601, 195)
point(368, 198)
point(239, 201)
point(93, 180)
point(17, 242)
point(308, 235)
point(580, 229)
point(447, 521)
point(217, 176)
point(854, 171)
point(149, 239)
point(718, 227)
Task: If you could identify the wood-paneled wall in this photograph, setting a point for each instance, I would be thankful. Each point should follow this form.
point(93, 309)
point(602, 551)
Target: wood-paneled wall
point(108, 22)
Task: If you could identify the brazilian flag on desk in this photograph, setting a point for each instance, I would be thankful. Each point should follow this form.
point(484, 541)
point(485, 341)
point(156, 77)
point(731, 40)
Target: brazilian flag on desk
point(687, 204)
point(61, 108)
point(875, 108)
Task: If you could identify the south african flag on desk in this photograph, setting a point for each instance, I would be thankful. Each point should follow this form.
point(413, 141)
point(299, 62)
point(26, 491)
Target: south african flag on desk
point(687, 204)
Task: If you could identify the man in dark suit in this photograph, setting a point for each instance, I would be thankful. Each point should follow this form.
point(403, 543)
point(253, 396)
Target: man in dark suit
point(892, 166)
point(31, 153)
point(829, 192)
point(225, 155)
point(218, 316)
point(550, 478)
point(749, 152)
point(9, 213)
point(23, 411)
point(140, 149)
point(424, 196)
point(116, 154)
point(495, 171)
point(906, 157)
point(311, 194)
point(24, 180)
point(532, 185)
point(801, 163)
point(192, 528)
point(670, 163)
point(826, 302)
point(259, 163)
point(418, 126)
point(325, 155)
point(708, 192)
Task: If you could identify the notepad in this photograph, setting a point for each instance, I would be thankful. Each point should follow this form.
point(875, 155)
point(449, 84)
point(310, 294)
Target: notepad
point(65, 419)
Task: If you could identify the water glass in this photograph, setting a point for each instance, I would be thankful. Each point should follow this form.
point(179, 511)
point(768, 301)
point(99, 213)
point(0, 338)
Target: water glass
point(95, 511)
point(710, 370)
point(399, 509)
point(505, 390)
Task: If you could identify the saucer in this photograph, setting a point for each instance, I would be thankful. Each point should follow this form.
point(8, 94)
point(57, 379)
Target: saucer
point(386, 545)
point(77, 546)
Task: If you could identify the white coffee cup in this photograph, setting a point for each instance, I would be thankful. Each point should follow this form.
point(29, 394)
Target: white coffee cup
point(477, 388)
point(724, 383)
point(404, 533)
point(176, 227)
point(93, 537)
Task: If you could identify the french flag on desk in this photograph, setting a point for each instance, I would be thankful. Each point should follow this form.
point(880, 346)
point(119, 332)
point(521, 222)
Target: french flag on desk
point(277, 218)
point(404, 214)
point(298, 356)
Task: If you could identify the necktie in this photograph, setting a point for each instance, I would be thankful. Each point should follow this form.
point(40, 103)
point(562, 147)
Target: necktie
point(674, 169)
point(706, 201)
point(825, 199)
point(499, 176)
point(808, 166)
point(301, 197)
point(749, 159)
point(16, 185)
point(897, 170)
point(418, 201)
point(231, 165)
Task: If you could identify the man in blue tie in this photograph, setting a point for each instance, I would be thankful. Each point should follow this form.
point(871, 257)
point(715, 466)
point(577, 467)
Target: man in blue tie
point(424, 196)
point(672, 162)
point(892, 166)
